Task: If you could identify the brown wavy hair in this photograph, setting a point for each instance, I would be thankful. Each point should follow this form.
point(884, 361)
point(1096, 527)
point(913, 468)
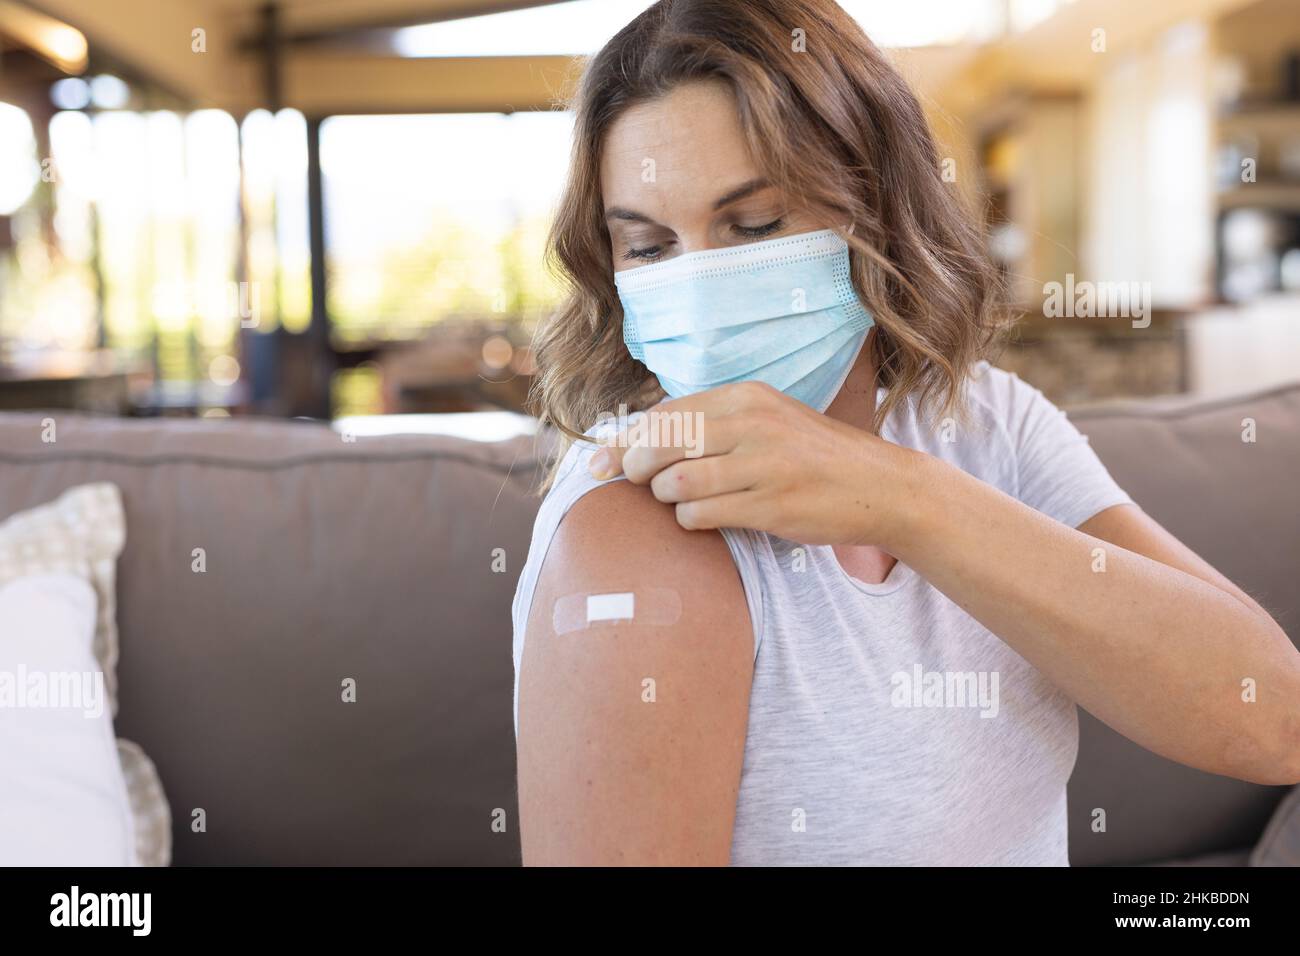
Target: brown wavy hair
point(836, 128)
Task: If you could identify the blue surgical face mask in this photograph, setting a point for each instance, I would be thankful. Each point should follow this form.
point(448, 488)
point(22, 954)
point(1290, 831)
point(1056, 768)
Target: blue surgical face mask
point(781, 311)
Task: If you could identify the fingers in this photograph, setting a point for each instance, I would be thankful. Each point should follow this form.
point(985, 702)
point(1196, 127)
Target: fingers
point(741, 509)
point(643, 462)
point(702, 478)
point(704, 424)
point(607, 463)
point(664, 436)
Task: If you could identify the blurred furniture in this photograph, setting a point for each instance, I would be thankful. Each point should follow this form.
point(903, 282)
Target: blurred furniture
point(392, 561)
point(457, 366)
point(1257, 127)
point(81, 381)
point(185, 399)
point(1087, 359)
point(1029, 167)
point(1237, 348)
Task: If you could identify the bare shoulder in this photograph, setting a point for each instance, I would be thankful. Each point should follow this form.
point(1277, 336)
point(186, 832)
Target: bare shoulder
point(620, 532)
point(631, 734)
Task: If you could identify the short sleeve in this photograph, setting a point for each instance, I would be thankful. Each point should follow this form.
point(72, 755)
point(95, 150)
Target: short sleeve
point(1057, 471)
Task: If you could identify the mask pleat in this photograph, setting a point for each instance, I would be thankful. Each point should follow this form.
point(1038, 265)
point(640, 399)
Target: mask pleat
point(716, 356)
point(710, 302)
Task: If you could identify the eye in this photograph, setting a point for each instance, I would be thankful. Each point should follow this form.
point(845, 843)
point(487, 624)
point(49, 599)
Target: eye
point(648, 254)
point(758, 232)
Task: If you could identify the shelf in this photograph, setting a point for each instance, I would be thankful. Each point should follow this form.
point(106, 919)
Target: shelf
point(1275, 195)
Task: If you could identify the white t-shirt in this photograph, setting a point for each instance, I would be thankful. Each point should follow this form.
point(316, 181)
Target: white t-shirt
point(886, 725)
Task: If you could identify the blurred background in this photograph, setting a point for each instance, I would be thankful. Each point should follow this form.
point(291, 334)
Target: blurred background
point(336, 209)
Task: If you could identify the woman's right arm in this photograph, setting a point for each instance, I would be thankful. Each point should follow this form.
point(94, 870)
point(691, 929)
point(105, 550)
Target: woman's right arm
point(632, 736)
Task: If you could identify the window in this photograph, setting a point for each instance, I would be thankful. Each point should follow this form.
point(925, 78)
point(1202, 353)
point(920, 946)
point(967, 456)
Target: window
point(441, 217)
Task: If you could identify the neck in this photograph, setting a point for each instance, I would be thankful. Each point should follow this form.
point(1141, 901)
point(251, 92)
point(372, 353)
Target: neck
point(856, 401)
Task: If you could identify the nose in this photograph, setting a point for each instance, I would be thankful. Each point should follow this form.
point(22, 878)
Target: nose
point(696, 240)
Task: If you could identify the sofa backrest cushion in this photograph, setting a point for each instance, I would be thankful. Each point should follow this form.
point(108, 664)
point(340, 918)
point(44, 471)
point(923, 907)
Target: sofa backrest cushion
point(1236, 503)
point(323, 561)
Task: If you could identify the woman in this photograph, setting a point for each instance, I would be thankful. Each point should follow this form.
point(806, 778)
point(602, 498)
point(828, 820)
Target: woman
point(848, 621)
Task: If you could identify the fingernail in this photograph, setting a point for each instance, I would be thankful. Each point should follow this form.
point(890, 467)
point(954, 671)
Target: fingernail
point(601, 465)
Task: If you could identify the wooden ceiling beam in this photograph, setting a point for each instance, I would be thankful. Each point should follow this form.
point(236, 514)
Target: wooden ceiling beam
point(156, 40)
point(320, 84)
point(333, 19)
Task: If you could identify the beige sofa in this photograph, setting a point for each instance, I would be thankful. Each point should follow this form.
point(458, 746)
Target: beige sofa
point(374, 559)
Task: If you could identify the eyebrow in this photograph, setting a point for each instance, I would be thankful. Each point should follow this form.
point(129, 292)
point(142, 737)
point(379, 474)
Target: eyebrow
point(735, 195)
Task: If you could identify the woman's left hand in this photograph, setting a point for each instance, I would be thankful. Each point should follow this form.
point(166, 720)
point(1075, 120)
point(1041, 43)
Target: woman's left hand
point(748, 456)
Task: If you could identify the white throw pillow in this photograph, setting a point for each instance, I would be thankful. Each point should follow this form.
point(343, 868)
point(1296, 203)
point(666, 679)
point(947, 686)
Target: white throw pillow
point(64, 800)
point(81, 534)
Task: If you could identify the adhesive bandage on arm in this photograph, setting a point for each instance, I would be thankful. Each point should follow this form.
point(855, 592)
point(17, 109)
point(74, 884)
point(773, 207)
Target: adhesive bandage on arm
point(658, 607)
